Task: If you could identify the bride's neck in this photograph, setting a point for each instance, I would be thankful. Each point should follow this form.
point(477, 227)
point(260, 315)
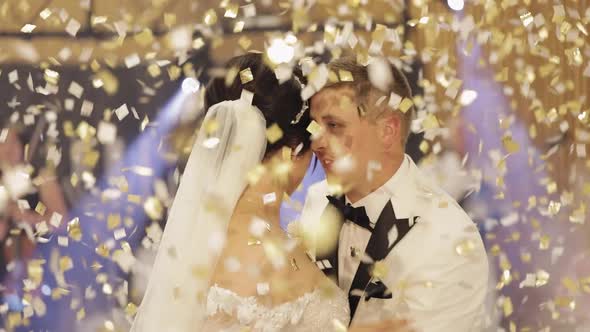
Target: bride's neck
point(262, 199)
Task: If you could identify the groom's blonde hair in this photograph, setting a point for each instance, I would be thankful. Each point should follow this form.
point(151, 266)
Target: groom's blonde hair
point(367, 94)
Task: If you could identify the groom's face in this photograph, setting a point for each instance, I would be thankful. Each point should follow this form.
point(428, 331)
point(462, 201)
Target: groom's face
point(346, 141)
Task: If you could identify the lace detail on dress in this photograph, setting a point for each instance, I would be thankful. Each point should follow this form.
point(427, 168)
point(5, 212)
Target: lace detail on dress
point(310, 311)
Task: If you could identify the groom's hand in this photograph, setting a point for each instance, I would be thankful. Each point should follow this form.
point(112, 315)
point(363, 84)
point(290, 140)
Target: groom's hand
point(393, 325)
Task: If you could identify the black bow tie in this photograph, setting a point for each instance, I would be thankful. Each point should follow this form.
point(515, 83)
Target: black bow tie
point(357, 215)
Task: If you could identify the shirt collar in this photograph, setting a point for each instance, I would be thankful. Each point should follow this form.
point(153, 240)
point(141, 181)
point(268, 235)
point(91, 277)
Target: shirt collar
point(376, 200)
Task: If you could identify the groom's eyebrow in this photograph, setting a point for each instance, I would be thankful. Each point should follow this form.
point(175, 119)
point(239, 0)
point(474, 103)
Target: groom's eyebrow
point(328, 117)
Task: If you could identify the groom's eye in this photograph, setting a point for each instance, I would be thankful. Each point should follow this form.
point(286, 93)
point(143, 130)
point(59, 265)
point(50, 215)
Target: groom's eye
point(334, 125)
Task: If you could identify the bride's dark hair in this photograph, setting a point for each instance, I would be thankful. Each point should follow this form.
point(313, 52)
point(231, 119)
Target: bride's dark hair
point(279, 103)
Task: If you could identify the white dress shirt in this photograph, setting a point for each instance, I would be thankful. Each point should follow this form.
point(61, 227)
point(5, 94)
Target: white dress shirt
point(354, 237)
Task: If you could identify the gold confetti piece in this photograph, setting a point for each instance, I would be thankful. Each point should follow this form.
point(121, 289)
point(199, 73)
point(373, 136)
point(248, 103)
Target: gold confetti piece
point(35, 271)
point(581, 27)
point(579, 215)
point(74, 230)
point(45, 13)
point(467, 97)
point(465, 247)
point(249, 10)
point(239, 26)
point(211, 126)
point(256, 174)
point(254, 242)
point(453, 88)
point(113, 221)
point(542, 278)
point(430, 122)
point(74, 180)
point(119, 234)
point(346, 102)
point(153, 208)
point(565, 302)
point(246, 76)
point(571, 285)
point(526, 18)
point(174, 72)
point(424, 146)
point(41, 229)
point(405, 105)
point(122, 112)
point(50, 76)
point(245, 42)
point(39, 307)
point(65, 263)
point(145, 37)
point(131, 309)
point(314, 128)
point(134, 199)
point(211, 142)
point(275, 254)
point(40, 208)
point(274, 133)
point(109, 82)
point(28, 28)
point(140, 170)
point(506, 277)
point(132, 60)
point(72, 27)
point(62, 241)
point(169, 19)
point(269, 198)
point(198, 43)
point(379, 270)
point(107, 132)
point(551, 187)
point(553, 208)
point(345, 76)
point(544, 242)
point(231, 11)
point(510, 145)
point(14, 319)
point(210, 17)
point(109, 326)
point(80, 314)
point(102, 250)
point(58, 293)
point(262, 288)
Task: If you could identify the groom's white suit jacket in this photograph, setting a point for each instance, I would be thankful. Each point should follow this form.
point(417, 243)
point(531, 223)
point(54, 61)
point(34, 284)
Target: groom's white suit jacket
point(437, 273)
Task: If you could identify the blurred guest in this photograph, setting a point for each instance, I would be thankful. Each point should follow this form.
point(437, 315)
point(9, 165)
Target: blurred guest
point(33, 204)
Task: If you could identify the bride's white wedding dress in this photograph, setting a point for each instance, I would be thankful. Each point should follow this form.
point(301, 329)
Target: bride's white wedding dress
point(319, 310)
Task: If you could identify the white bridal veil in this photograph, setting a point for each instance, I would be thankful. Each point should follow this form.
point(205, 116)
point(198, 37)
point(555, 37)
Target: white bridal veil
point(231, 142)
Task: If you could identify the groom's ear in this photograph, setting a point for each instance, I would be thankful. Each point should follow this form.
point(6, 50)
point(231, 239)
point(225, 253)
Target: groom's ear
point(391, 129)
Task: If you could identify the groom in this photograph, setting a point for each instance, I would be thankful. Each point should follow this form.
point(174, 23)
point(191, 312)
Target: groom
point(402, 248)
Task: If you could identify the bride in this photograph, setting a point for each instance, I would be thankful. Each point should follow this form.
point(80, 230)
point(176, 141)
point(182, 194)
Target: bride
point(224, 263)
